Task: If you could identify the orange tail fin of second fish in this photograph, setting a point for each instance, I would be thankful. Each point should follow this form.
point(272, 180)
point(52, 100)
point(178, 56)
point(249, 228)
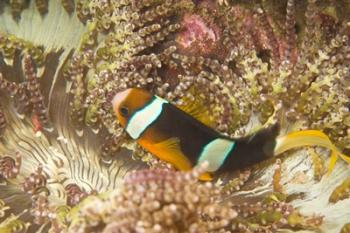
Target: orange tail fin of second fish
point(310, 138)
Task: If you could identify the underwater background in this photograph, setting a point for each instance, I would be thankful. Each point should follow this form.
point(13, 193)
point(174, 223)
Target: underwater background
point(66, 164)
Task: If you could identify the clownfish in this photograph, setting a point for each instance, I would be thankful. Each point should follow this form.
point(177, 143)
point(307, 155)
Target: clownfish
point(178, 137)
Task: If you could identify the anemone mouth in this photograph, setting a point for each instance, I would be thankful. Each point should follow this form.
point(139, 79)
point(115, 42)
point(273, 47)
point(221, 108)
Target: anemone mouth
point(60, 65)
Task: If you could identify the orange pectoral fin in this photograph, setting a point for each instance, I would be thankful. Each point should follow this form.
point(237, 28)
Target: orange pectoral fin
point(169, 150)
point(207, 176)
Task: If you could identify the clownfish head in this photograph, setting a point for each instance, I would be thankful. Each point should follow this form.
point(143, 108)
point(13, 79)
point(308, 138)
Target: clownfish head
point(127, 102)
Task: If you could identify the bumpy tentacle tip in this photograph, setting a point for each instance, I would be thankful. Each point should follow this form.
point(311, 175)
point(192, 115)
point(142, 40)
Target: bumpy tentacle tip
point(79, 132)
point(38, 134)
point(49, 128)
point(95, 130)
point(201, 173)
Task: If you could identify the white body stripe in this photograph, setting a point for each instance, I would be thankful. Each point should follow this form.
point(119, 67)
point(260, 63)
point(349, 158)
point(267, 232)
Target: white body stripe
point(139, 122)
point(215, 153)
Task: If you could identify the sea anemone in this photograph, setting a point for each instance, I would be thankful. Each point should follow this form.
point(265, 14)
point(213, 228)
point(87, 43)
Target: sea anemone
point(64, 156)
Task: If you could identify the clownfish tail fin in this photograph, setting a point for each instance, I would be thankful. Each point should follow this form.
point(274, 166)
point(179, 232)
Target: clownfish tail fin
point(310, 138)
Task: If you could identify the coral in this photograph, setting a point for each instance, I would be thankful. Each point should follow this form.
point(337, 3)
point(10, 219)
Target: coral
point(13, 224)
point(10, 44)
point(36, 97)
point(246, 64)
point(35, 182)
point(9, 167)
point(42, 6)
point(2, 123)
point(273, 215)
point(161, 200)
point(319, 166)
point(341, 192)
point(196, 36)
point(277, 187)
point(237, 183)
point(74, 194)
point(17, 6)
point(40, 209)
point(68, 5)
point(18, 91)
point(346, 228)
point(3, 208)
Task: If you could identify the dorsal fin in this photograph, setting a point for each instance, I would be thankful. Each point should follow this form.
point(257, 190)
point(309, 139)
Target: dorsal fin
point(197, 109)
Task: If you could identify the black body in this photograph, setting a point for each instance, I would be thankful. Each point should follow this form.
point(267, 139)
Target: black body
point(194, 135)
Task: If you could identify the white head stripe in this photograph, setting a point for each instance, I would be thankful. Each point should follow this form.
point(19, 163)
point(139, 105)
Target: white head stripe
point(141, 119)
point(215, 152)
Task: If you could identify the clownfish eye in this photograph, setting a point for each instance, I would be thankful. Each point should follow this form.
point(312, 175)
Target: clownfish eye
point(124, 111)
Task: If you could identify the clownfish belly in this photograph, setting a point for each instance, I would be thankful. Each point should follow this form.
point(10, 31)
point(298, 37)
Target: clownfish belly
point(169, 151)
